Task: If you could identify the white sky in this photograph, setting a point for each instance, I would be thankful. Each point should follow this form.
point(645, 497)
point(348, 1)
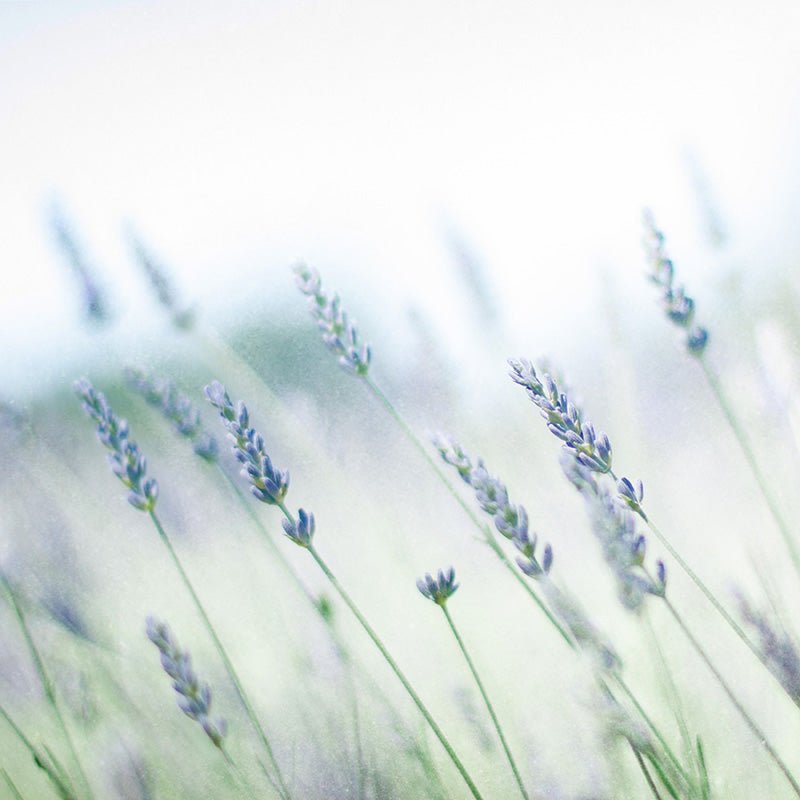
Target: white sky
point(238, 137)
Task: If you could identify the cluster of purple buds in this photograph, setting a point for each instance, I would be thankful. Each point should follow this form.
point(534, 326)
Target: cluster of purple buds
point(677, 305)
point(126, 461)
point(491, 493)
point(440, 588)
point(194, 697)
point(267, 484)
point(338, 331)
point(563, 418)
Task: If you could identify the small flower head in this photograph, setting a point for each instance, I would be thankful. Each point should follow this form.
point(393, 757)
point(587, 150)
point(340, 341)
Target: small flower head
point(194, 697)
point(338, 331)
point(301, 530)
point(440, 588)
point(126, 461)
point(453, 454)
point(678, 307)
point(267, 483)
point(630, 495)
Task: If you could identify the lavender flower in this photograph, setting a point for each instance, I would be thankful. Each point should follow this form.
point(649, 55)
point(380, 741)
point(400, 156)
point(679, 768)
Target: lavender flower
point(126, 462)
point(510, 521)
point(301, 530)
point(563, 418)
point(338, 331)
point(95, 301)
point(176, 407)
point(267, 483)
point(615, 527)
point(779, 651)
point(194, 697)
point(677, 305)
point(440, 588)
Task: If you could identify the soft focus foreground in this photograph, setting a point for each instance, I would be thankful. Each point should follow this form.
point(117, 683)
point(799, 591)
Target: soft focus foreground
point(285, 575)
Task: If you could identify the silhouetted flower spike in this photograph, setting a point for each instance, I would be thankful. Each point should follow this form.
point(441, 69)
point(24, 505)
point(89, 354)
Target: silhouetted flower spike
point(126, 461)
point(677, 305)
point(268, 484)
point(194, 697)
point(301, 530)
point(440, 588)
point(563, 417)
point(176, 407)
point(338, 332)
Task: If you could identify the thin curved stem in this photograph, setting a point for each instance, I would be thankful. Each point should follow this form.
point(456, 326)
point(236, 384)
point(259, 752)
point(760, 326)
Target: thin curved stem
point(747, 450)
point(732, 697)
point(284, 792)
point(484, 529)
point(395, 668)
point(486, 700)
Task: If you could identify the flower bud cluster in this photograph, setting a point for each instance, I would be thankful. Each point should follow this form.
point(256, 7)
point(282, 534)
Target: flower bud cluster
point(194, 697)
point(175, 407)
point(126, 461)
point(338, 331)
point(510, 521)
point(269, 485)
point(614, 524)
point(440, 588)
point(563, 418)
point(677, 305)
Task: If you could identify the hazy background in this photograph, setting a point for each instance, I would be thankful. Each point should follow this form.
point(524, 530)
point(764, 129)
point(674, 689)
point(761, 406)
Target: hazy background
point(378, 141)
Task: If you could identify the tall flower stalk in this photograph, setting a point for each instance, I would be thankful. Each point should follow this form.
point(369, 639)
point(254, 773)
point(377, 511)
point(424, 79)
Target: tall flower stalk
point(438, 590)
point(130, 467)
point(270, 485)
point(589, 454)
point(680, 310)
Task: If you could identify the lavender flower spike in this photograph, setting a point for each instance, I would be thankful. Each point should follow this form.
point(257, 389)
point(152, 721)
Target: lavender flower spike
point(338, 331)
point(510, 521)
point(126, 462)
point(677, 305)
point(267, 483)
point(301, 530)
point(440, 588)
point(563, 418)
point(194, 697)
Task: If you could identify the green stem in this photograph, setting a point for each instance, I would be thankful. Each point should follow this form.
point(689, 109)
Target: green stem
point(395, 668)
point(284, 792)
point(11, 786)
point(44, 679)
point(484, 529)
point(643, 767)
point(744, 444)
point(718, 607)
point(485, 697)
point(732, 697)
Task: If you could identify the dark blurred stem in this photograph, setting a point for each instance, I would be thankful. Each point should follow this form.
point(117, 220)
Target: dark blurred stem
point(284, 792)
